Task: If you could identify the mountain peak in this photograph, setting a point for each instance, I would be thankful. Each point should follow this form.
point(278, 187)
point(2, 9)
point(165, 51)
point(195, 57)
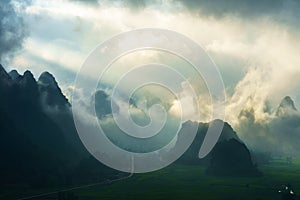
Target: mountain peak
point(286, 106)
point(29, 85)
point(288, 102)
point(28, 75)
point(227, 131)
point(47, 79)
point(27, 79)
point(14, 74)
point(52, 94)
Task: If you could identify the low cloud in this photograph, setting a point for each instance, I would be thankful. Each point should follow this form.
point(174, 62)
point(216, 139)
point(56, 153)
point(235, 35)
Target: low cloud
point(278, 135)
point(255, 44)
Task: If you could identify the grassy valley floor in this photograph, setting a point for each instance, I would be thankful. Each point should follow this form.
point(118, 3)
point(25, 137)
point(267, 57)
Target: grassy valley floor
point(189, 182)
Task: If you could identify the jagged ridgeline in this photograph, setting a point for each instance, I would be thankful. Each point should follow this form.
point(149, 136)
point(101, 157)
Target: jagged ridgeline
point(39, 145)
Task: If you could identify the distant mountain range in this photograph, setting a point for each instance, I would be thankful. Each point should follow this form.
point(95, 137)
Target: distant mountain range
point(39, 145)
point(276, 131)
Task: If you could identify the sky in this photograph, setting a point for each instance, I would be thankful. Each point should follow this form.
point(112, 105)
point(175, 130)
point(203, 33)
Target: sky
point(255, 44)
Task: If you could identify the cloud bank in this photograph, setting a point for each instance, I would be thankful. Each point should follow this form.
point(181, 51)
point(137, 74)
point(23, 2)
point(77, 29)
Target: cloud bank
point(254, 43)
point(13, 30)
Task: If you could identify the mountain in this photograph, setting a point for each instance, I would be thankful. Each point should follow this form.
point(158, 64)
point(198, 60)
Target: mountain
point(103, 104)
point(31, 142)
point(58, 108)
point(50, 93)
point(14, 74)
point(3, 73)
point(39, 145)
point(191, 155)
point(276, 133)
point(231, 158)
point(286, 107)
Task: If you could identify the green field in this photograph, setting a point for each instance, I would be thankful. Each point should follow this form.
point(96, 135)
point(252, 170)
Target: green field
point(191, 182)
point(182, 182)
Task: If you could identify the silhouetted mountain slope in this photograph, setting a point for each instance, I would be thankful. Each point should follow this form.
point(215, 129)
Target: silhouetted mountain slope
point(58, 108)
point(3, 74)
point(231, 158)
point(191, 155)
point(25, 162)
point(14, 74)
point(33, 146)
point(51, 94)
point(39, 145)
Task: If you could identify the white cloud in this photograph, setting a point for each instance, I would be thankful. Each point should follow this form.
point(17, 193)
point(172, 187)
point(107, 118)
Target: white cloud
point(63, 32)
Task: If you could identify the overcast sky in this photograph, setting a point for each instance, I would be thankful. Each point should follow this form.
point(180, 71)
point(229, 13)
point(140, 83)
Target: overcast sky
point(255, 44)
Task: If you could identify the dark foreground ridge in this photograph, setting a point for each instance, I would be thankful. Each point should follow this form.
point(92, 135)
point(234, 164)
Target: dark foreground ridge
point(40, 148)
